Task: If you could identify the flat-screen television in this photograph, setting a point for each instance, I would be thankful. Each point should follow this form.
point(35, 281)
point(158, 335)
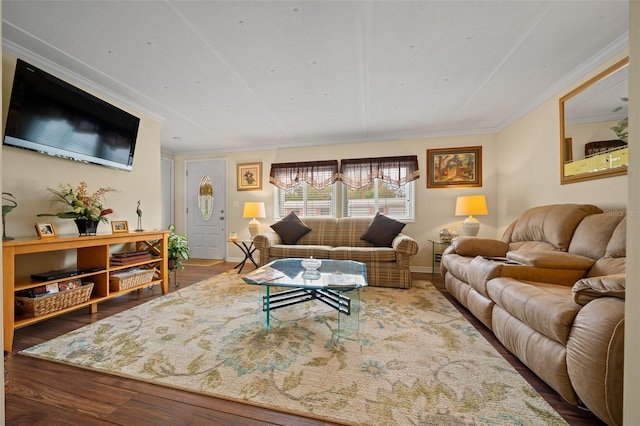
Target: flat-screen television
point(53, 117)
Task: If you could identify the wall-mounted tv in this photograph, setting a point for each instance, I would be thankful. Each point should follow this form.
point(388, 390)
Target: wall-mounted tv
point(53, 117)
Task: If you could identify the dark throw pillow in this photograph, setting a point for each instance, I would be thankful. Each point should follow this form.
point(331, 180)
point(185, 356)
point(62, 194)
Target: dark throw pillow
point(290, 228)
point(382, 230)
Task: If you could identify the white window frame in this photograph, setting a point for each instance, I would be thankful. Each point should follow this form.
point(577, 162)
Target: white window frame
point(409, 201)
point(279, 195)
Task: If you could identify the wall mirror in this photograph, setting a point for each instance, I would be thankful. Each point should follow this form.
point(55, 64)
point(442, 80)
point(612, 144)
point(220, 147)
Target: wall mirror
point(593, 127)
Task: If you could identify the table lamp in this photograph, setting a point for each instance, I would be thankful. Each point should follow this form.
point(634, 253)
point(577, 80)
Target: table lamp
point(253, 210)
point(470, 205)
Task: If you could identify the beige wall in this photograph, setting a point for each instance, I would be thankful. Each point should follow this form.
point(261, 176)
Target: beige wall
point(632, 313)
point(27, 174)
point(434, 207)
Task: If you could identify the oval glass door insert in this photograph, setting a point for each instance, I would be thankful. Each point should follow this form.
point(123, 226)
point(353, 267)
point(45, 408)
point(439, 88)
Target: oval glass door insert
point(205, 198)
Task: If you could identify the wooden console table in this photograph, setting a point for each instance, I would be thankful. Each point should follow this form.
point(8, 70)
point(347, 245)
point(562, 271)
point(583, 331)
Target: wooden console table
point(89, 252)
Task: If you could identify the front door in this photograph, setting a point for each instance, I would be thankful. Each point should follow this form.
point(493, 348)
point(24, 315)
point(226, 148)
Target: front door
point(206, 208)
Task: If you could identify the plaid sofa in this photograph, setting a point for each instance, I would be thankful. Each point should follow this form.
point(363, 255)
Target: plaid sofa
point(339, 239)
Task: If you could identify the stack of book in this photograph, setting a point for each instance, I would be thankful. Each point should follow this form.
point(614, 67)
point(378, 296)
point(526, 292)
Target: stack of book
point(129, 257)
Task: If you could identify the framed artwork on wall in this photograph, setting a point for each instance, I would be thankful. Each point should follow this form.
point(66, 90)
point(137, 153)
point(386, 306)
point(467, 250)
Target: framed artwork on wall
point(118, 226)
point(454, 167)
point(250, 176)
point(46, 230)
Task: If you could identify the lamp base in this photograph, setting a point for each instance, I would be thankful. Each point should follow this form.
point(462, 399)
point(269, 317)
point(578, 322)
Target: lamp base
point(254, 227)
point(470, 226)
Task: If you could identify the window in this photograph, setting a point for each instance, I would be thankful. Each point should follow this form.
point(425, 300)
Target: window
point(306, 188)
point(306, 200)
point(379, 185)
point(369, 186)
point(379, 197)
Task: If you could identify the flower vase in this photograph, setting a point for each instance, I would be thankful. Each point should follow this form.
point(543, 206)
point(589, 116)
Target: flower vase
point(87, 227)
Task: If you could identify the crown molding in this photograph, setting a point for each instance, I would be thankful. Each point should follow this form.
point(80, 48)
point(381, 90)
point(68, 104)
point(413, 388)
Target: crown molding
point(585, 68)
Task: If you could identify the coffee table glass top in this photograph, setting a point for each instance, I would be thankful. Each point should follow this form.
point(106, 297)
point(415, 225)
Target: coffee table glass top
point(335, 274)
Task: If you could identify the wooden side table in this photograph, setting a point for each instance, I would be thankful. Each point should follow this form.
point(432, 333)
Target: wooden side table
point(437, 248)
point(248, 249)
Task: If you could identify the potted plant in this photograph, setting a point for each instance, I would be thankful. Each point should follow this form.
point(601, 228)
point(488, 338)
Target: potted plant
point(177, 249)
point(81, 205)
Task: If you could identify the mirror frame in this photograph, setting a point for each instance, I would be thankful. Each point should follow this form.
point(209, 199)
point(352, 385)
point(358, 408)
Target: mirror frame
point(565, 145)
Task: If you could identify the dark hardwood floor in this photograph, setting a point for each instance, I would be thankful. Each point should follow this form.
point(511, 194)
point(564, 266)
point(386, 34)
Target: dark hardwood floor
point(47, 393)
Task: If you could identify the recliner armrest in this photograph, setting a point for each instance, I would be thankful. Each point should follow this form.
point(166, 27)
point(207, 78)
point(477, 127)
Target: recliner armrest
point(473, 246)
point(588, 289)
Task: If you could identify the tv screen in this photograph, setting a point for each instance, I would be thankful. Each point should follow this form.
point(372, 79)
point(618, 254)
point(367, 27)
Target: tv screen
point(53, 117)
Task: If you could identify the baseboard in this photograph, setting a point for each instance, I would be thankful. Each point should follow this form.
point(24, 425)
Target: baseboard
point(421, 269)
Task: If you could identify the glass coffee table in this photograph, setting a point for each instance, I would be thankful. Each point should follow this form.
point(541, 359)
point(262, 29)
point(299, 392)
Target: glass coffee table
point(336, 283)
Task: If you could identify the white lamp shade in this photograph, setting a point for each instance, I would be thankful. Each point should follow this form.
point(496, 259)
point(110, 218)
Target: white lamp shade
point(254, 209)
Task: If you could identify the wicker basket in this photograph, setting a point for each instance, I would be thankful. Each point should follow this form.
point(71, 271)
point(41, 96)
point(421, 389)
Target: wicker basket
point(126, 281)
point(36, 306)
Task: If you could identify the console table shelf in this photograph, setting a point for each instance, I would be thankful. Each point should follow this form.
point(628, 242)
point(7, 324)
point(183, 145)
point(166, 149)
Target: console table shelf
point(91, 252)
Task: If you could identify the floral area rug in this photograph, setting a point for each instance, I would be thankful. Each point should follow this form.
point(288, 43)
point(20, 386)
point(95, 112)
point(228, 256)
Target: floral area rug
point(414, 361)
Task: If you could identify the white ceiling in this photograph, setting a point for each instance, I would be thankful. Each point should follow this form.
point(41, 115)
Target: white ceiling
point(240, 75)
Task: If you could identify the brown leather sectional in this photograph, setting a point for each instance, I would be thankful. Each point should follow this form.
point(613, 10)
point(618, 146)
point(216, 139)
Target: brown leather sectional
point(552, 291)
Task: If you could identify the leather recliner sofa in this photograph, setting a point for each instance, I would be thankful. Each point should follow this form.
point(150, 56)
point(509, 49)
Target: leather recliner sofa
point(552, 291)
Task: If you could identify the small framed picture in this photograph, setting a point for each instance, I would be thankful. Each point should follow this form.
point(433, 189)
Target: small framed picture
point(118, 226)
point(46, 230)
point(250, 176)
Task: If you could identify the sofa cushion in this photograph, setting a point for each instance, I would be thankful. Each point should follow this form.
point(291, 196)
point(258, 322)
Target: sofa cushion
point(350, 229)
point(290, 228)
point(587, 289)
point(382, 231)
point(614, 260)
point(363, 254)
point(617, 246)
point(593, 234)
point(551, 259)
point(532, 246)
point(554, 224)
point(608, 266)
point(547, 308)
point(299, 250)
point(324, 232)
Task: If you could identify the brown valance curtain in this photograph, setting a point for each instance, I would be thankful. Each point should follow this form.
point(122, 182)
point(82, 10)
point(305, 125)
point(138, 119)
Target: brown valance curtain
point(396, 171)
point(318, 174)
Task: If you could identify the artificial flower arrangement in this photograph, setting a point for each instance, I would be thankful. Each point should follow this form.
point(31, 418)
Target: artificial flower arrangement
point(83, 204)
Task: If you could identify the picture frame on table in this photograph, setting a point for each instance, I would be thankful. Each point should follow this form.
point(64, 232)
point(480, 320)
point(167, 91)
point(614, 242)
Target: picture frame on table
point(46, 230)
point(250, 176)
point(119, 226)
point(454, 167)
